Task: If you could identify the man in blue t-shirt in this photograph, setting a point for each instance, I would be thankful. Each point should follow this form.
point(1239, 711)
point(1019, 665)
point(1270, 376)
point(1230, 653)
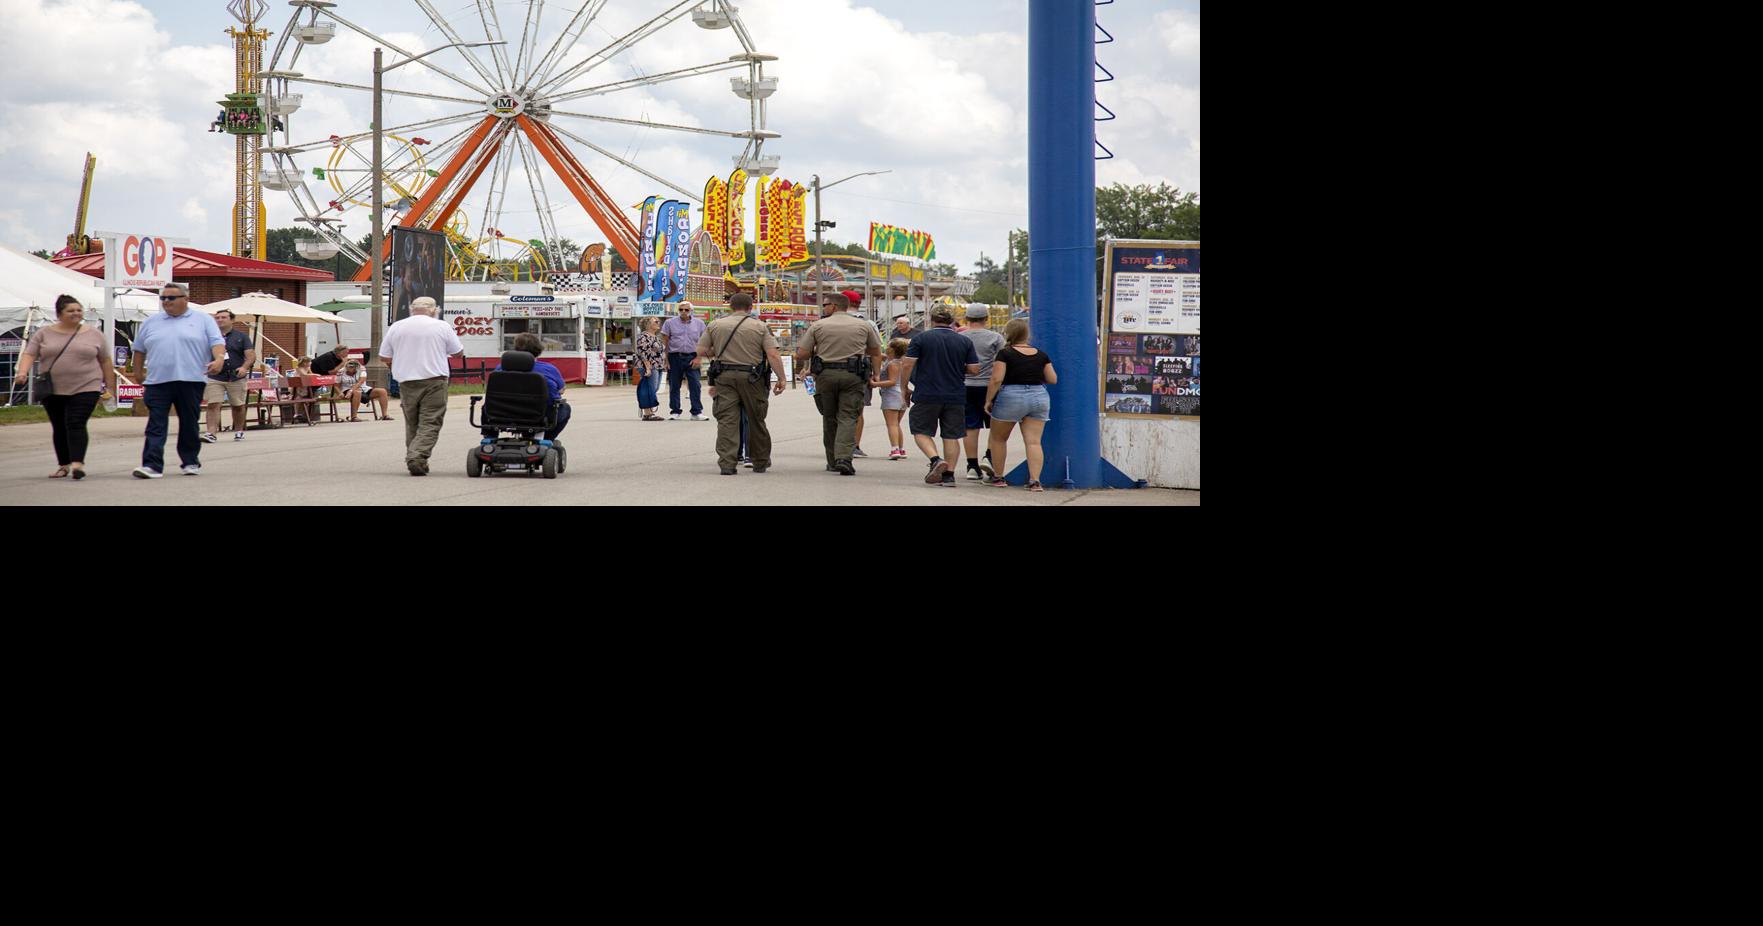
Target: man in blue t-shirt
point(532, 344)
point(937, 366)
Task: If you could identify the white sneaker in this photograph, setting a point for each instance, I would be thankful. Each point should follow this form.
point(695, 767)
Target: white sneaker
point(143, 472)
point(238, 435)
point(211, 438)
point(673, 417)
point(699, 418)
point(194, 469)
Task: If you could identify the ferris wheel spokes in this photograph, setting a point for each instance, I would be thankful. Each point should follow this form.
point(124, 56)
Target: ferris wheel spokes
point(696, 197)
point(657, 125)
point(498, 53)
point(578, 27)
point(346, 139)
point(454, 37)
point(617, 47)
point(385, 90)
point(425, 62)
point(650, 80)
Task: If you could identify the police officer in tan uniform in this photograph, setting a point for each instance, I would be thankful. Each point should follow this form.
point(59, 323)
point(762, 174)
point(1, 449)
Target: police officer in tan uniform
point(840, 350)
point(743, 357)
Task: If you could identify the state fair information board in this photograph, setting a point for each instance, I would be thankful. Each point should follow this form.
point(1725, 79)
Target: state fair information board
point(1151, 353)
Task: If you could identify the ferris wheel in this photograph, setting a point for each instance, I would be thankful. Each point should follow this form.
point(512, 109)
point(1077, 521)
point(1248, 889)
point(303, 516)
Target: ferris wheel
point(507, 157)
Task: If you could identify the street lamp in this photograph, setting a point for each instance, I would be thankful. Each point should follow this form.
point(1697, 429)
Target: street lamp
point(376, 370)
point(819, 226)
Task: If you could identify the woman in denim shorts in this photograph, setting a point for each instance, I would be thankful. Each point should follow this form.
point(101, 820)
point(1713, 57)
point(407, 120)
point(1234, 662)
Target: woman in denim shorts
point(1018, 394)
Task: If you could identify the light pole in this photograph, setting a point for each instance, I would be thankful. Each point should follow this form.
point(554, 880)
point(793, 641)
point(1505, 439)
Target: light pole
point(376, 370)
point(819, 260)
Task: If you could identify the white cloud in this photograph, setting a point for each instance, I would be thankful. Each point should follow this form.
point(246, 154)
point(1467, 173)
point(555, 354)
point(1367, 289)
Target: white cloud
point(859, 91)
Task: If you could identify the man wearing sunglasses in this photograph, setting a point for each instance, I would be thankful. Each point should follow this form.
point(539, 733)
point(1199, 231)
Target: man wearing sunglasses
point(182, 349)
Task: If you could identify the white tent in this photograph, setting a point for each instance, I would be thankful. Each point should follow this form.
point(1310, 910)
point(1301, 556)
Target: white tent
point(28, 283)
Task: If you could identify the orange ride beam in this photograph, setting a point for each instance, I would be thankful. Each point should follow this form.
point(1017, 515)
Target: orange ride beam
point(471, 181)
point(435, 189)
point(600, 207)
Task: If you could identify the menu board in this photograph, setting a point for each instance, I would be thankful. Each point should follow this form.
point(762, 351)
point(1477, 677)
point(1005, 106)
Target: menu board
point(1151, 359)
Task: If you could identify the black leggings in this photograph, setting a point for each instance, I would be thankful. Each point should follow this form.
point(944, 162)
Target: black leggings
point(67, 416)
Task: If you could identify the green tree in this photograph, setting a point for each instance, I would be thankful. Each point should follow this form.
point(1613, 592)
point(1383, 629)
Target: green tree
point(282, 245)
point(992, 293)
point(43, 254)
point(1155, 213)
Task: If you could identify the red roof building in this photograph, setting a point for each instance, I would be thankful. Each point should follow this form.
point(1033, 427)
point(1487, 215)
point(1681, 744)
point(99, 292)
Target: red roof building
point(215, 277)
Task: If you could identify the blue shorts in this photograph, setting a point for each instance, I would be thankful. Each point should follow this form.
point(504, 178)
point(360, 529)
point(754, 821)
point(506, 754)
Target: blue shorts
point(976, 408)
point(1015, 403)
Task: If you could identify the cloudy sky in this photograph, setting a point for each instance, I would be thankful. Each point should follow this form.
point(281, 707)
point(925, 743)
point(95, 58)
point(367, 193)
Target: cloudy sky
point(932, 89)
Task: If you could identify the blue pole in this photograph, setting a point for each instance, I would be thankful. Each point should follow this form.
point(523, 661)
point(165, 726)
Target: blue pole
point(1062, 237)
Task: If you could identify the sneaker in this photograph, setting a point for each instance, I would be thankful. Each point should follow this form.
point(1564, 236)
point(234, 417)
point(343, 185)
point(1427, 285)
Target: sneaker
point(194, 469)
point(858, 452)
point(938, 470)
point(896, 454)
point(673, 417)
point(211, 438)
point(748, 463)
point(761, 469)
point(997, 482)
point(844, 468)
point(948, 480)
point(1035, 487)
point(973, 473)
point(729, 472)
point(238, 436)
point(699, 418)
point(147, 472)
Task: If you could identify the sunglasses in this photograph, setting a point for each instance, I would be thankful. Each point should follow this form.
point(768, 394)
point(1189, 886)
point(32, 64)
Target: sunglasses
point(172, 298)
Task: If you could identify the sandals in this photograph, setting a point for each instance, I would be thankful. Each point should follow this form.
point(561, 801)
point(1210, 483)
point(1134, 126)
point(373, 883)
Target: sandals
point(61, 473)
point(354, 418)
point(1035, 487)
point(79, 474)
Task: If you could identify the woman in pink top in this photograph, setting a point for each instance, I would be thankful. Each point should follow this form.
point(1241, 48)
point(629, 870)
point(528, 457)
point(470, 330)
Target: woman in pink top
point(80, 369)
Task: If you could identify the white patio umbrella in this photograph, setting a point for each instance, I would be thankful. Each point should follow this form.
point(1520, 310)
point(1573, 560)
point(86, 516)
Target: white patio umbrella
point(262, 307)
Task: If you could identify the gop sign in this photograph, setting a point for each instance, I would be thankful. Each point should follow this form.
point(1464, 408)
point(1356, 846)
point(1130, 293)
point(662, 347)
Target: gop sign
point(143, 261)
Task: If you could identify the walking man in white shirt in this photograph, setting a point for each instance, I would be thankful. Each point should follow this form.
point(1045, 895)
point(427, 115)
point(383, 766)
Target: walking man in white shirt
point(417, 349)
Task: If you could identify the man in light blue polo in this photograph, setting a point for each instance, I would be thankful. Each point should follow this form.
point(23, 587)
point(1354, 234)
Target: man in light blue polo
point(182, 349)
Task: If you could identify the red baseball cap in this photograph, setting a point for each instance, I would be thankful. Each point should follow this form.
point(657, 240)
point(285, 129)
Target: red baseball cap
point(853, 295)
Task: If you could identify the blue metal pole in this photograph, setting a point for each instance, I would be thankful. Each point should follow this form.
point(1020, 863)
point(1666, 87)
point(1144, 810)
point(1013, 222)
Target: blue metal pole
point(1062, 236)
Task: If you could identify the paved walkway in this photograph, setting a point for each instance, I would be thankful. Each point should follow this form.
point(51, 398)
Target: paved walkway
point(614, 459)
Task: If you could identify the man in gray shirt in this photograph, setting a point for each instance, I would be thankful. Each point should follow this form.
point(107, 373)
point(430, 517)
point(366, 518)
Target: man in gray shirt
point(682, 336)
point(986, 343)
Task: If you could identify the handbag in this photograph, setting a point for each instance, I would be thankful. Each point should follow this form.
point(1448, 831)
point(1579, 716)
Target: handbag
point(43, 384)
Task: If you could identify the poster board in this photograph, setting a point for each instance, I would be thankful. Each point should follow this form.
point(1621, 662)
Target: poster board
point(419, 268)
point(1151, 347)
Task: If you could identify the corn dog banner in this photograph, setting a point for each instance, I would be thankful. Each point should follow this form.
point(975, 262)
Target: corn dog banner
point(901, 242)
point(762, 202)
point(798, 225)
point(737, 226)
point(716, 212)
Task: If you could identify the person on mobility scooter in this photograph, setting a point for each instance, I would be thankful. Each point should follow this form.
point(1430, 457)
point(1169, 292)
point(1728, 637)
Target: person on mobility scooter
point(523, 414)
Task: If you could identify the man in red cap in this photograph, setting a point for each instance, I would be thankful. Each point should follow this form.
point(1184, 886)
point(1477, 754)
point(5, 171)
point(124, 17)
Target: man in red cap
point(869, 391)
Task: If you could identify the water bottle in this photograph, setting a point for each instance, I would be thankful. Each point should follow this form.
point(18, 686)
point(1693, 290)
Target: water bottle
point(808, 384)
